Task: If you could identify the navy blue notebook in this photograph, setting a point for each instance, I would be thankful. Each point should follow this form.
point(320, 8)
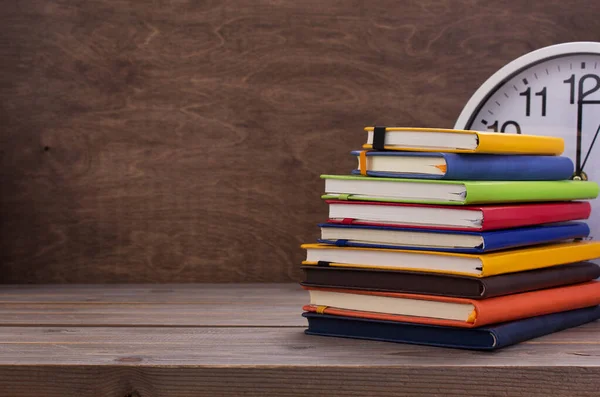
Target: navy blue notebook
point(465, 167)
point(485, 338)
point(449, 240)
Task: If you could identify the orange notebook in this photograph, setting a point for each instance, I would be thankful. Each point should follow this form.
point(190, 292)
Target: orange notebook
point(447, 311)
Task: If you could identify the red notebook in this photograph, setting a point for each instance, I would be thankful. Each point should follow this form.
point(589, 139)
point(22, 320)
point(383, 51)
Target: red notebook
point(475, 218)
point(449, 311)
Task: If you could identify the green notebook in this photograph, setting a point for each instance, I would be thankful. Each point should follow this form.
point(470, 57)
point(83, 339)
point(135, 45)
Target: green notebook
point(423, 191)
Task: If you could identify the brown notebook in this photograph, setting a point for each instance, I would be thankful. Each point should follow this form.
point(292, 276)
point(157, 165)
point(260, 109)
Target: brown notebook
point(449, 285)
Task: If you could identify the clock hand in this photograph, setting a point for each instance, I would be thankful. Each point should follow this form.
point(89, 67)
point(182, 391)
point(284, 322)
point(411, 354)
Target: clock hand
point(578, 147)
point(590, 149)
point(580, 102)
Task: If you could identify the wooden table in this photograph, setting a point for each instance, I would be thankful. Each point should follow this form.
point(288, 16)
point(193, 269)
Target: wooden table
point(247, 339)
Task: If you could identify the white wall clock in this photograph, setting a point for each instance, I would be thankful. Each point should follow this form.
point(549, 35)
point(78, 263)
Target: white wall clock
point(552, 91)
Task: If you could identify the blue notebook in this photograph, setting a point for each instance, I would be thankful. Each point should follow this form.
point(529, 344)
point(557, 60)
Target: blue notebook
point(485, 338)
point(449, 240)
point(465, 167)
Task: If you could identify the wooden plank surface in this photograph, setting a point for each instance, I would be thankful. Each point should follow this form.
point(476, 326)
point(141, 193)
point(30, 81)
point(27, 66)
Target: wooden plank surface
point(153, 305)
point(312, 380)
point(268, 346)
point(77, 346)
point(181, 141)
point(151, 293)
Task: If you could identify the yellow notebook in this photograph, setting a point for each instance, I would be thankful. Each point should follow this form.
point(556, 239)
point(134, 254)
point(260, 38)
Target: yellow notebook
point(475, 265)
point(460, 141)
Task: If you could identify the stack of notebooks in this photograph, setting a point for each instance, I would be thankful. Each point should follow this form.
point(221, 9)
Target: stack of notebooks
point(454, 238)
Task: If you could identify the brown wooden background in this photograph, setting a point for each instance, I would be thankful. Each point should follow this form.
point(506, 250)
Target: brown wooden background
point(180, 141)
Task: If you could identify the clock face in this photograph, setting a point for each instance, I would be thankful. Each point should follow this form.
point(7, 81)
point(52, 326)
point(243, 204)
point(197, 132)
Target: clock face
point(554, 91)
point(558, 97)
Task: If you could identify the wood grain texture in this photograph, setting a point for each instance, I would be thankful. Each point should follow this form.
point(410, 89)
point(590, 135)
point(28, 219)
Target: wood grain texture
point(229, 294)
point(272, 346)
point(181, 141)
point(76, 354)
point(171, 381)
point(278, 305)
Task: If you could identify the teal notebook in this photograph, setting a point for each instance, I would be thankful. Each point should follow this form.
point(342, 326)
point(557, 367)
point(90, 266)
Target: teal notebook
point(423, 191)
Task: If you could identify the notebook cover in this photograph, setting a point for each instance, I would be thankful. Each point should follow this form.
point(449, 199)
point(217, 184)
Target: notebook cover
point(485, 167)
point(489, 142)
point(494, 216)
point(492, 337)
point(493, 263)
point(480, 192)
point(492, 240)
point(448, 285)
point(487, 311)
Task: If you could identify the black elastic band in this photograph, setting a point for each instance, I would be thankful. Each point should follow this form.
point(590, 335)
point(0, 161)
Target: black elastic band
point(378, 138)
point(323, 263)
point(341, 242)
